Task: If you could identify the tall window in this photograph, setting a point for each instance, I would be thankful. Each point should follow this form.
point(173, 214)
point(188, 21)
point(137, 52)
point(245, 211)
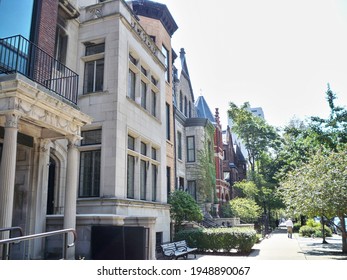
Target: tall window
point(143, 94)
point(60, 44)
point(94, 68)
point(181, 101)
point(143, 179)
point(131, 169)
point(131, 177)
point(90, 162)
point(190, 149)
point(168, 122)
point(154, 104)
point(154, 182)
point(192, 188)
point(190, 110)
point(185, 106)
point(131, 84)
point(166, 54)
point(168, 180)
point(179, 145)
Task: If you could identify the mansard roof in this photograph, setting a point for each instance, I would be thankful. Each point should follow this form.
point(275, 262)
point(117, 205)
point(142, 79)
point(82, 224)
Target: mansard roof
point(203, 110)
point(157, 11)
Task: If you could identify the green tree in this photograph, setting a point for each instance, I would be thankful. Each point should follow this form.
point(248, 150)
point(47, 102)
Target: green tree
point(331, 131)
point(183, 208)
point(257, 136)
point(246, 209)
point(319, 187)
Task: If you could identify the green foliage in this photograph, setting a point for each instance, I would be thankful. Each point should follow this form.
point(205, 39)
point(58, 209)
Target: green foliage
point(184, 208)
point(225, 211)
point(245, 208)
point(206, 170)
point(309, 231)
point(219, 239)
point(297, 227)
point(249, 189)
point(255, 133)
point(318, 187)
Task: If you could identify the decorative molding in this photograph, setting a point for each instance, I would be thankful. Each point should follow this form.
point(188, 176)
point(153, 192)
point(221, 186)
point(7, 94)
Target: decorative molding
point(96, 12)
point(144, 36)
point(12, 120)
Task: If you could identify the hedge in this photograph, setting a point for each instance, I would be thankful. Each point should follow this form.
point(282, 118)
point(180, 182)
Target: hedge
point(308, 231)
point(219, 239)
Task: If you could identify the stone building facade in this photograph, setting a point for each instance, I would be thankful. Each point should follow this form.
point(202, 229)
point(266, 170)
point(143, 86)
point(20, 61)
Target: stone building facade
point(105, 167)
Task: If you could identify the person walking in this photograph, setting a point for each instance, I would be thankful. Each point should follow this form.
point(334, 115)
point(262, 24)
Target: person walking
point(289, 225)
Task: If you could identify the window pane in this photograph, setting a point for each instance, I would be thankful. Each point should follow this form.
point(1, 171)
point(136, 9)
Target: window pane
point(130, 176)
point(143, 179)
point(90, 173)
point(131, 143)
point(143, 94)
point(131, 84)
point(91, 137)
point(154, 104)
point(99, 76)
point(190, 149)
point(179, 144)
point(94, 49)
point(167, 121)
point(154, 182)
point(154, 153)
point(143, 149)
point(192, 189)
point(88, 77)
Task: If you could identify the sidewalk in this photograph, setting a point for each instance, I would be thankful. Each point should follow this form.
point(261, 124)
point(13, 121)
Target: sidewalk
point(279, 247)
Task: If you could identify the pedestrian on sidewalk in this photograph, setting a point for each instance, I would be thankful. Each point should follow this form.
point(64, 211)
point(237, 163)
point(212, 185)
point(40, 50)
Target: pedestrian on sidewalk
point(289, 225)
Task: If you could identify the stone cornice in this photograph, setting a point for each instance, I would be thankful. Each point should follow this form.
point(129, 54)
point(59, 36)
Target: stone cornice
point(39, 107)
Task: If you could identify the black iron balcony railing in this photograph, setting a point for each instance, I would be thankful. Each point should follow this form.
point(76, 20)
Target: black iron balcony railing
point(18, 55)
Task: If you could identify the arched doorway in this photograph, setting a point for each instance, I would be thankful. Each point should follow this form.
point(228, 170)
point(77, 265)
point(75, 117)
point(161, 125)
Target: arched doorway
point(51, 186)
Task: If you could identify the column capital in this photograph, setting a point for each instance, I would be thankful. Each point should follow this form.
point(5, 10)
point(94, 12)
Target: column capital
point(12, 120)
point(73, 141)
point(44, 145)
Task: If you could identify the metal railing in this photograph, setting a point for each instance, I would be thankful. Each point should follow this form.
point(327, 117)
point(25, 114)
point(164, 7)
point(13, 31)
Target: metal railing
point(13, 229)
point(17, 54)
point(5, 242)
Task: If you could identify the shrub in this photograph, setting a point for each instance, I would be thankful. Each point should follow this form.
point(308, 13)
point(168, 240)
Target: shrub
point(183, 208)
point(297, 227)
point(219, 239)
point(308, 231)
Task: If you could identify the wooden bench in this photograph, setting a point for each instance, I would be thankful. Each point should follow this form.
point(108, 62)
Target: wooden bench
point(175, 250)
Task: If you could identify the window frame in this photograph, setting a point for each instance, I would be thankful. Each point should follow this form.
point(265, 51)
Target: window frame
point(93, 59)
point(189, 159)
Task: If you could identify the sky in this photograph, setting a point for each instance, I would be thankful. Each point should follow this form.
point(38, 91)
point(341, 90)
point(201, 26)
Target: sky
point(275, 54)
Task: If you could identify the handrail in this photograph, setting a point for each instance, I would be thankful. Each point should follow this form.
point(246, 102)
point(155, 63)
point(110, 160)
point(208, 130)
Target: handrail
point(45, 234)
point(12, 229)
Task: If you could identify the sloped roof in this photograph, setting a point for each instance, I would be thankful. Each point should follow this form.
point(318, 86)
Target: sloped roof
point(203, 110)
point(155, 10)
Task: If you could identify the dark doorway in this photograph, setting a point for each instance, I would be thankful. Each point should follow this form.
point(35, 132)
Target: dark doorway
point(51, 185)
point(119, 243)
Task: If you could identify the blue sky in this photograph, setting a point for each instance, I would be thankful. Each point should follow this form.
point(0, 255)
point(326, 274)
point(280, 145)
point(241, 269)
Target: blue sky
point(275, 54)
point(15, 17)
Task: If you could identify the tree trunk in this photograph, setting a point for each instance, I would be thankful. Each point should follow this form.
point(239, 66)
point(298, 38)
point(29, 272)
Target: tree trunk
point(344, 235)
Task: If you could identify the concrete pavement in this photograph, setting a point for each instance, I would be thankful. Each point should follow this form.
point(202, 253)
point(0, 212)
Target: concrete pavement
point(279, 247)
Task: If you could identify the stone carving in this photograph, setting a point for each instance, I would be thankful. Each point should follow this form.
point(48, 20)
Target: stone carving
point(96, 12)
point(144, 36)
point(12, 120)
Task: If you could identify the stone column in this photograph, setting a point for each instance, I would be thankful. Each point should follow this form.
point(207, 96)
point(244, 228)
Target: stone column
point(7, 174)
point(41, 197)
point(71, 191)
